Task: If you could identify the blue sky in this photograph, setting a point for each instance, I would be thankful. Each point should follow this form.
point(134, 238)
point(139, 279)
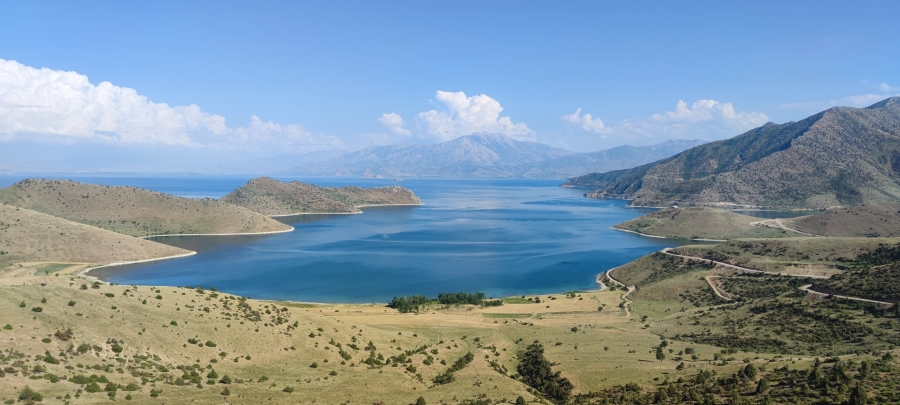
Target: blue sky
point(324, 75)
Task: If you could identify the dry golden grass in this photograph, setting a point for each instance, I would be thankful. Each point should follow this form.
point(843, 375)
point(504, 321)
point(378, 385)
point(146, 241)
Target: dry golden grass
point(31, 240)
point(605, 349)
point(866, 220)
point(699, 223)
point(133, 211)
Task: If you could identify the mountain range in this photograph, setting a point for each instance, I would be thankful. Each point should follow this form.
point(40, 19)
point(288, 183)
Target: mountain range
point(482, 155)
point(841, 156)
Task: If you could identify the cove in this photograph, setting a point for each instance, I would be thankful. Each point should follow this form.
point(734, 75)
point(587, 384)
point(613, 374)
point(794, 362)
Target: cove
point(503, 237)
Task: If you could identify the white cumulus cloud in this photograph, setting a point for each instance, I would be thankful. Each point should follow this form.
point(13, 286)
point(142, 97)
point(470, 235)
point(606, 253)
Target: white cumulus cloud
point(585, 122)
point(394, 123)
point(883, 91)
point(54, 105)
point(704, 119)
point(463, 115)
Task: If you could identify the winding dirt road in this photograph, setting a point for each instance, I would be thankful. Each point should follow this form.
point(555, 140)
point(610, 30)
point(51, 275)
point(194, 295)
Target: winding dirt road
point(805, 288)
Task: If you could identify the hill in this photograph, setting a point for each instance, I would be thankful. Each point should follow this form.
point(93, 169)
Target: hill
point(29, 236)
point(483, 155)
point(273, 197)
point(699, 223)
point(841, 156)
point(865, 220)
point(134, 211)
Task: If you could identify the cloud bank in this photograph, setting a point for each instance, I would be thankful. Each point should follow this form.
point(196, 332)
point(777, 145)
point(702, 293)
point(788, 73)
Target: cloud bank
point(462, 115)
point(704, 119)
point(57, 106)
point(394, 123)
point(863, 100)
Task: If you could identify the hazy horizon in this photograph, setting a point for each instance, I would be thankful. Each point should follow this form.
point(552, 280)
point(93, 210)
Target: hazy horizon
point(192, 86)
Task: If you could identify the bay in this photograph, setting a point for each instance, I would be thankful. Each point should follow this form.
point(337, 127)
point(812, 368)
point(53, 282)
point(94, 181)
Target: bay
point(503, 237)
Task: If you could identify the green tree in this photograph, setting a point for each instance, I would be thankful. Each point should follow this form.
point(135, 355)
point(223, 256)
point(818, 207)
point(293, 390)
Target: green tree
point(520, 400)
point(537, 373)
point(420, 401)
point(858, 396)
point(660, 355)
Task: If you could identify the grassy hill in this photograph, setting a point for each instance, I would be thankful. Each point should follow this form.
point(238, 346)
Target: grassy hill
point(842, 156)
point(134, 211)
point(864, 220)
point(699, 223)
point(673, 338)
point(42, 241)
point(273, 197)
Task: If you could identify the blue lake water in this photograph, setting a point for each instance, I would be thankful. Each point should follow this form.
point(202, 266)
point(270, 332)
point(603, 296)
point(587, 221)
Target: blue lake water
point(503, 237)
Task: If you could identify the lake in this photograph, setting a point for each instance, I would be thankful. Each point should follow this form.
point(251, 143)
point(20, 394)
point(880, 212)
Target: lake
point(503, 237)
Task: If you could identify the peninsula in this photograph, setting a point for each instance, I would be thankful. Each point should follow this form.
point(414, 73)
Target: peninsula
point(276, 198)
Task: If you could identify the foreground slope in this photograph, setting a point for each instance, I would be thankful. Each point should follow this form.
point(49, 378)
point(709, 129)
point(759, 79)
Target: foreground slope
point(30, 236)
point(841, 156)
point(273, 197)
point(134, 211)
point(751, 339)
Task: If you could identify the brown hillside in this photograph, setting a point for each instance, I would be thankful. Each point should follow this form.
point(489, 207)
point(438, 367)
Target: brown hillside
point(868, 220)
point(273, 197)
point(134, 211)
point(699, 223)
point(30, 236)
point(842, 156)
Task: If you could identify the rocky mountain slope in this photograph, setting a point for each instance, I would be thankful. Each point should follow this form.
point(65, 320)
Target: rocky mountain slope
point(484, 155)
point(134, 211)
point(273, 197)
point(841, 156)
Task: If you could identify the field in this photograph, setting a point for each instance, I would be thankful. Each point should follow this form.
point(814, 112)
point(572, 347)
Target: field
point(189, 344)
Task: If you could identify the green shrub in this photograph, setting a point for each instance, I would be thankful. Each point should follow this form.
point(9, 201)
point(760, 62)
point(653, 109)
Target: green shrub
point(29, 394)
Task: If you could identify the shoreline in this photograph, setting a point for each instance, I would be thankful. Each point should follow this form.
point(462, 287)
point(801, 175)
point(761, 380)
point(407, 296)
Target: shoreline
point(84, 272)
point(220, 234)
point(344, 213)
point(668, 237)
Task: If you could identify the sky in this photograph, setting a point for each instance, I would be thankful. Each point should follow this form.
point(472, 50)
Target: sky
point(175, 84)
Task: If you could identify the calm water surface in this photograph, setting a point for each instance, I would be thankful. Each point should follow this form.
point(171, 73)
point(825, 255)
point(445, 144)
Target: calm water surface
point(502, 237)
